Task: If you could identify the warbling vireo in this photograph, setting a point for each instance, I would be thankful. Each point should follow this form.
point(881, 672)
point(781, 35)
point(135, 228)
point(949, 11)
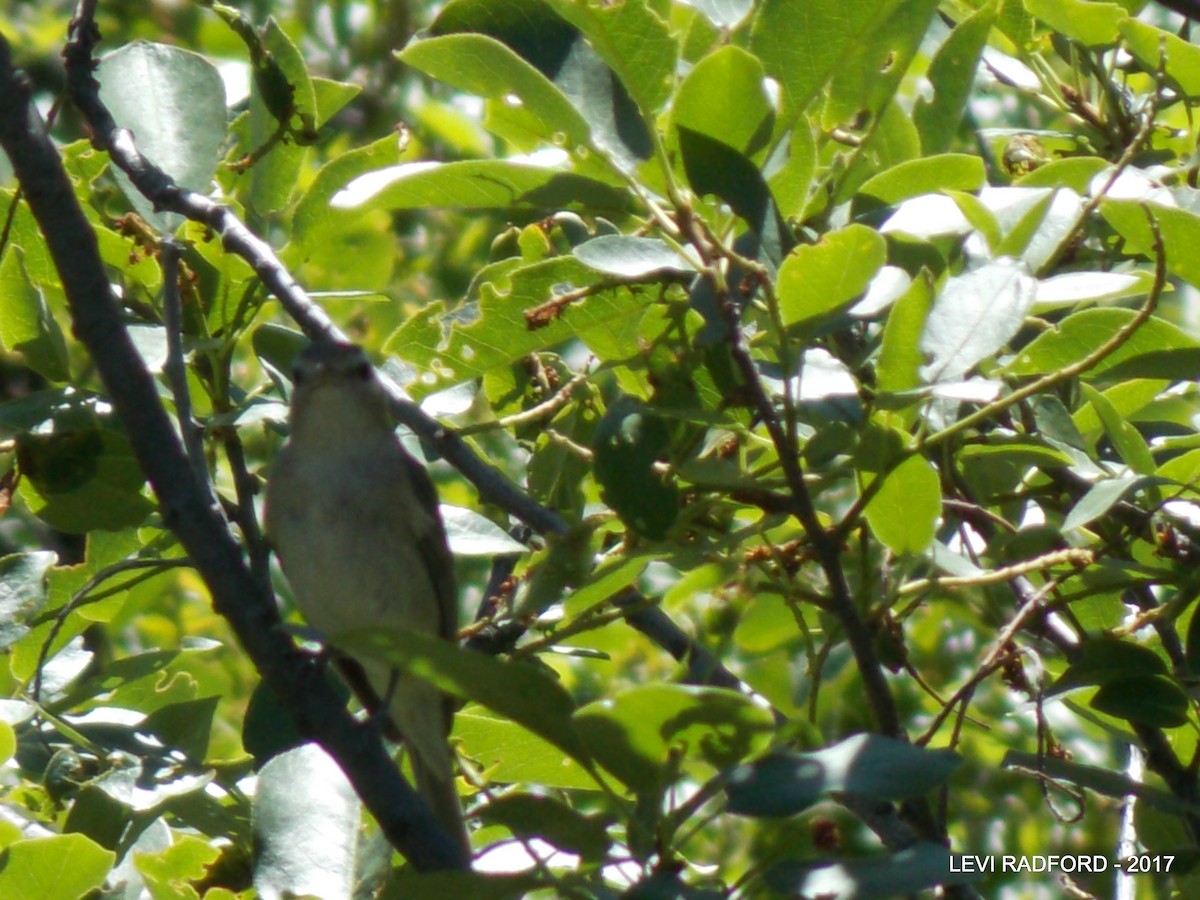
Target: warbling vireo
point(355, 523)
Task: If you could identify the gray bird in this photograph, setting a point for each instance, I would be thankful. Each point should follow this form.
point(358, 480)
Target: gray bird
point(354, 521)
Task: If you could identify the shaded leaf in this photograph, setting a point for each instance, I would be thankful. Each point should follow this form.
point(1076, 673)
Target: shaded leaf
point(516, 690)
point(630, 257)
point(868, 765)
point(1103, 781)
point(174, 103)
point(1105, 659)
point(634, 732)
point(306, 821)
point(713, 167)
point(904, 872)
point(78, 481)
point(1153, 700)
point(535, 816)
point(629, 440)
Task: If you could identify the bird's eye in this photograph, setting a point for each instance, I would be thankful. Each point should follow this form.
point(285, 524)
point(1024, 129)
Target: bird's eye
point(363, 371)
point(298, 376)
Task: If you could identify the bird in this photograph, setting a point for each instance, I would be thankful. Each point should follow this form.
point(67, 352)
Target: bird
point(354, 521)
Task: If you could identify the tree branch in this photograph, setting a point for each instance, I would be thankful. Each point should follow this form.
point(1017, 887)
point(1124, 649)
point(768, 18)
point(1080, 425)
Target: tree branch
point(194, 519)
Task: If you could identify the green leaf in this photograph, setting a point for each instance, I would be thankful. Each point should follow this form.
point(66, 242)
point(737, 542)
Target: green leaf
point(485, 66)
point(455, 351)
point(274, 176)
point(791, 182)
point(1075, 173)
point(1127, 440)
point(65, 865)
point(172, 871)
point(606, 580)
point(802, 41)
point(511, 754)
point(517, 690)
point(1182, 58)
point(629, 440)
point(81, 480)
point(25, 235)
point(557, 49)
point(1101, 498)
point(1157, 349)
point(26, 325)
point(866, 79)
point(315, 218)
point(635, 732)
point(546, 818)
point(1020, 236)
point(903, 513)
point(1153, 700)
point(900, 356)
point(869, 765)
point(928, 175)
point(635, 43)
point(174, 103)
point(1091, 23)
point(1179, 228)
point(974, 316)
point(331, 97)
point(631, 257)
point(820, 279)
point(723, 97)
point(997, 467)
point(478, 184)
point(952, 73)
point(1105, 659)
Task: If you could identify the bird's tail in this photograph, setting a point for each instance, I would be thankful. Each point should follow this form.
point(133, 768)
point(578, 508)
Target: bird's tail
point(436, 785)
point(423, 716)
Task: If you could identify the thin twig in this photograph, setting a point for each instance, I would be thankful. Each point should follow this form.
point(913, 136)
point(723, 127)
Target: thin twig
point(176, 365)
point(543, 410)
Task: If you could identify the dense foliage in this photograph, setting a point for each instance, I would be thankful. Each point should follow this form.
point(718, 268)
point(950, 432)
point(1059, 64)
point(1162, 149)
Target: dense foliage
point(809, 386)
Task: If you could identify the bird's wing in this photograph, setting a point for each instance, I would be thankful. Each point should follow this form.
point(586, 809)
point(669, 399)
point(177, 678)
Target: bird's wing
point(435, 550)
